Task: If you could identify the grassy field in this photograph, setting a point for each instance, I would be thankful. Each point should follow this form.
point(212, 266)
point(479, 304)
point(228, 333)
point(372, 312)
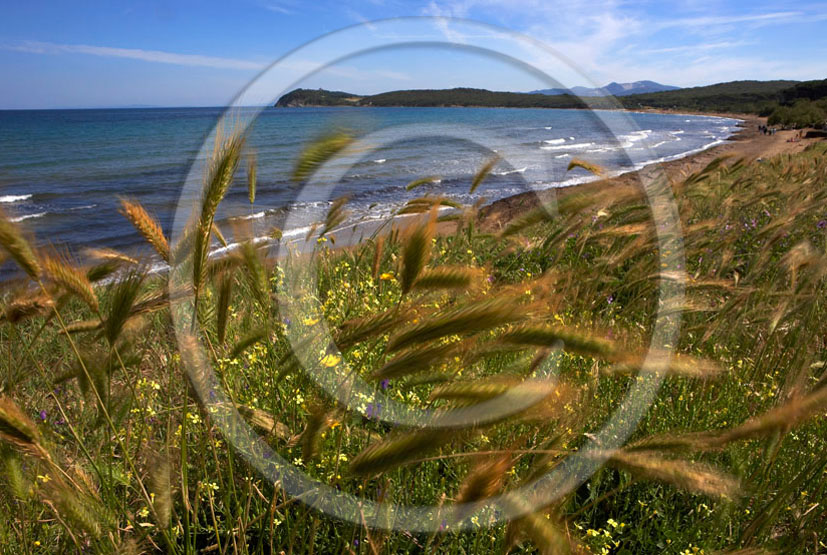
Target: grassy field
point(107, 447)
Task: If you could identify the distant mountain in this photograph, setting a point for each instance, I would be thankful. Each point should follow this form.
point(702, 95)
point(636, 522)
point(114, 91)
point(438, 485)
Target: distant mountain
point(613, 88)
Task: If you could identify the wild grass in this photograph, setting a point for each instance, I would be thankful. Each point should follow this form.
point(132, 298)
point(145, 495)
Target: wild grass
point(105, 447)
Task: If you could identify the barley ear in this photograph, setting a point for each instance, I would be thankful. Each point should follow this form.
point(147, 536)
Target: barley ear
point(147, 226)
point(318, 152)
point(483, 172)
point(12, 240)
point(251, 177)
point(416, 255)
point(72, 279)
point(588, 166)
point(220, 172)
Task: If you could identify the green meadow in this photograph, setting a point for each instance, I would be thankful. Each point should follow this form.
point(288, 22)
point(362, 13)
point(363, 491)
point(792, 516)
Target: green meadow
point(107, 445)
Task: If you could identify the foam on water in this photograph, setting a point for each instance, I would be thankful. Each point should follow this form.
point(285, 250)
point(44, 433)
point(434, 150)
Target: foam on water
point(8, 199)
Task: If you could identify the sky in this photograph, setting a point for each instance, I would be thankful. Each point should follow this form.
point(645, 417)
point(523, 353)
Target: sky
point(110, 53)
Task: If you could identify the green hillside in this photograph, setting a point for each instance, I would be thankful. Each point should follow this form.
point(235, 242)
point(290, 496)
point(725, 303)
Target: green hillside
point(757, 97)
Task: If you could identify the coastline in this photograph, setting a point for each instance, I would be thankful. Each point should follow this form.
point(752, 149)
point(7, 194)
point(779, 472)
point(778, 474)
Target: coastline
point(747, 143)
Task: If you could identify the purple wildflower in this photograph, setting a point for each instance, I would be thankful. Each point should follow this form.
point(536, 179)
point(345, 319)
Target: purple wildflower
point(610, 299)
point(372, 411)
point(821, 224)
point(385, 383)
point(43, 415)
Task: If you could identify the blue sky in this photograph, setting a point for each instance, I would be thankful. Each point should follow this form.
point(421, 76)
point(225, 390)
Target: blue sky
point(202, 53)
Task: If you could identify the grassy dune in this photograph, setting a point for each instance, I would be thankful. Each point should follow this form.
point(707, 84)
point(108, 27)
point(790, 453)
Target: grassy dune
point(106, 446)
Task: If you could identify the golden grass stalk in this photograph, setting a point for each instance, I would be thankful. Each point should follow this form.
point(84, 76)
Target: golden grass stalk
point(336, 215)
point(248, 341)
point(416, 254)
point(546, 533)
point(483, 481)
point(256, 275)
point(160, 488)
point(12, 240)
point(83, 326)
point(572, 340)
point(483, 172)
point(784, 418)
point(446, 278)
point(225, 292)
point(218, 179)
point(414, 361)
point(78, 508)
point(72, 279)
point(678, 365)
point(359, 329)
point(691, 476)
point(110, 254)
point(318, 152)
point(147, 226)
point(216, 231)
point(18, 429)
point(398, 449)
point(265, 422)
point(588, 166)
point(316, 424)
point(475, 391)
point(251, 177)
point(422, 181)
point(531, 218)
point(426, 203)
point(122, 297)
point(26, 306)
point(377, 256)
point(475, 317)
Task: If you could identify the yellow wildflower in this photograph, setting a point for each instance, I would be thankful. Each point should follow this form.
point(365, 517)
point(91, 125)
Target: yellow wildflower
point(331, 360)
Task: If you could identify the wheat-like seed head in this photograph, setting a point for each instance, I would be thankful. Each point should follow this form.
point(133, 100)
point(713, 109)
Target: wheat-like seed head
point(12, 240)
point(72, 279)
point(147, 226)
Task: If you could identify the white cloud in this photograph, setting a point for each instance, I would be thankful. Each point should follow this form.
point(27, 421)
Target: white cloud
point(157, 56)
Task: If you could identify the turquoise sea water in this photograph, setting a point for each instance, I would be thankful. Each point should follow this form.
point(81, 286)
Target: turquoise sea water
point(62, 171)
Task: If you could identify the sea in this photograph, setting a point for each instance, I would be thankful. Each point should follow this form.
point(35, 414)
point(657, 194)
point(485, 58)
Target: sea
point(62, 172)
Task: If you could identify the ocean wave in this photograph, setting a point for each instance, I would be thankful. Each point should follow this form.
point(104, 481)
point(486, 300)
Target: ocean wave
point(380, 161)
point(636, 136)
point(554, 141)
point(574, 146)
point(27, 217)
point(254, 216)
point(509, 172)
point(7, 199)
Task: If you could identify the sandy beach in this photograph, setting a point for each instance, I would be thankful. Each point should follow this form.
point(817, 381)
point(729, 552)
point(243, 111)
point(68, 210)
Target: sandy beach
point(748, 143)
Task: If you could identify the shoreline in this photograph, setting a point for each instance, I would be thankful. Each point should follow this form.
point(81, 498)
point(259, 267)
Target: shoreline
point(747, 143)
